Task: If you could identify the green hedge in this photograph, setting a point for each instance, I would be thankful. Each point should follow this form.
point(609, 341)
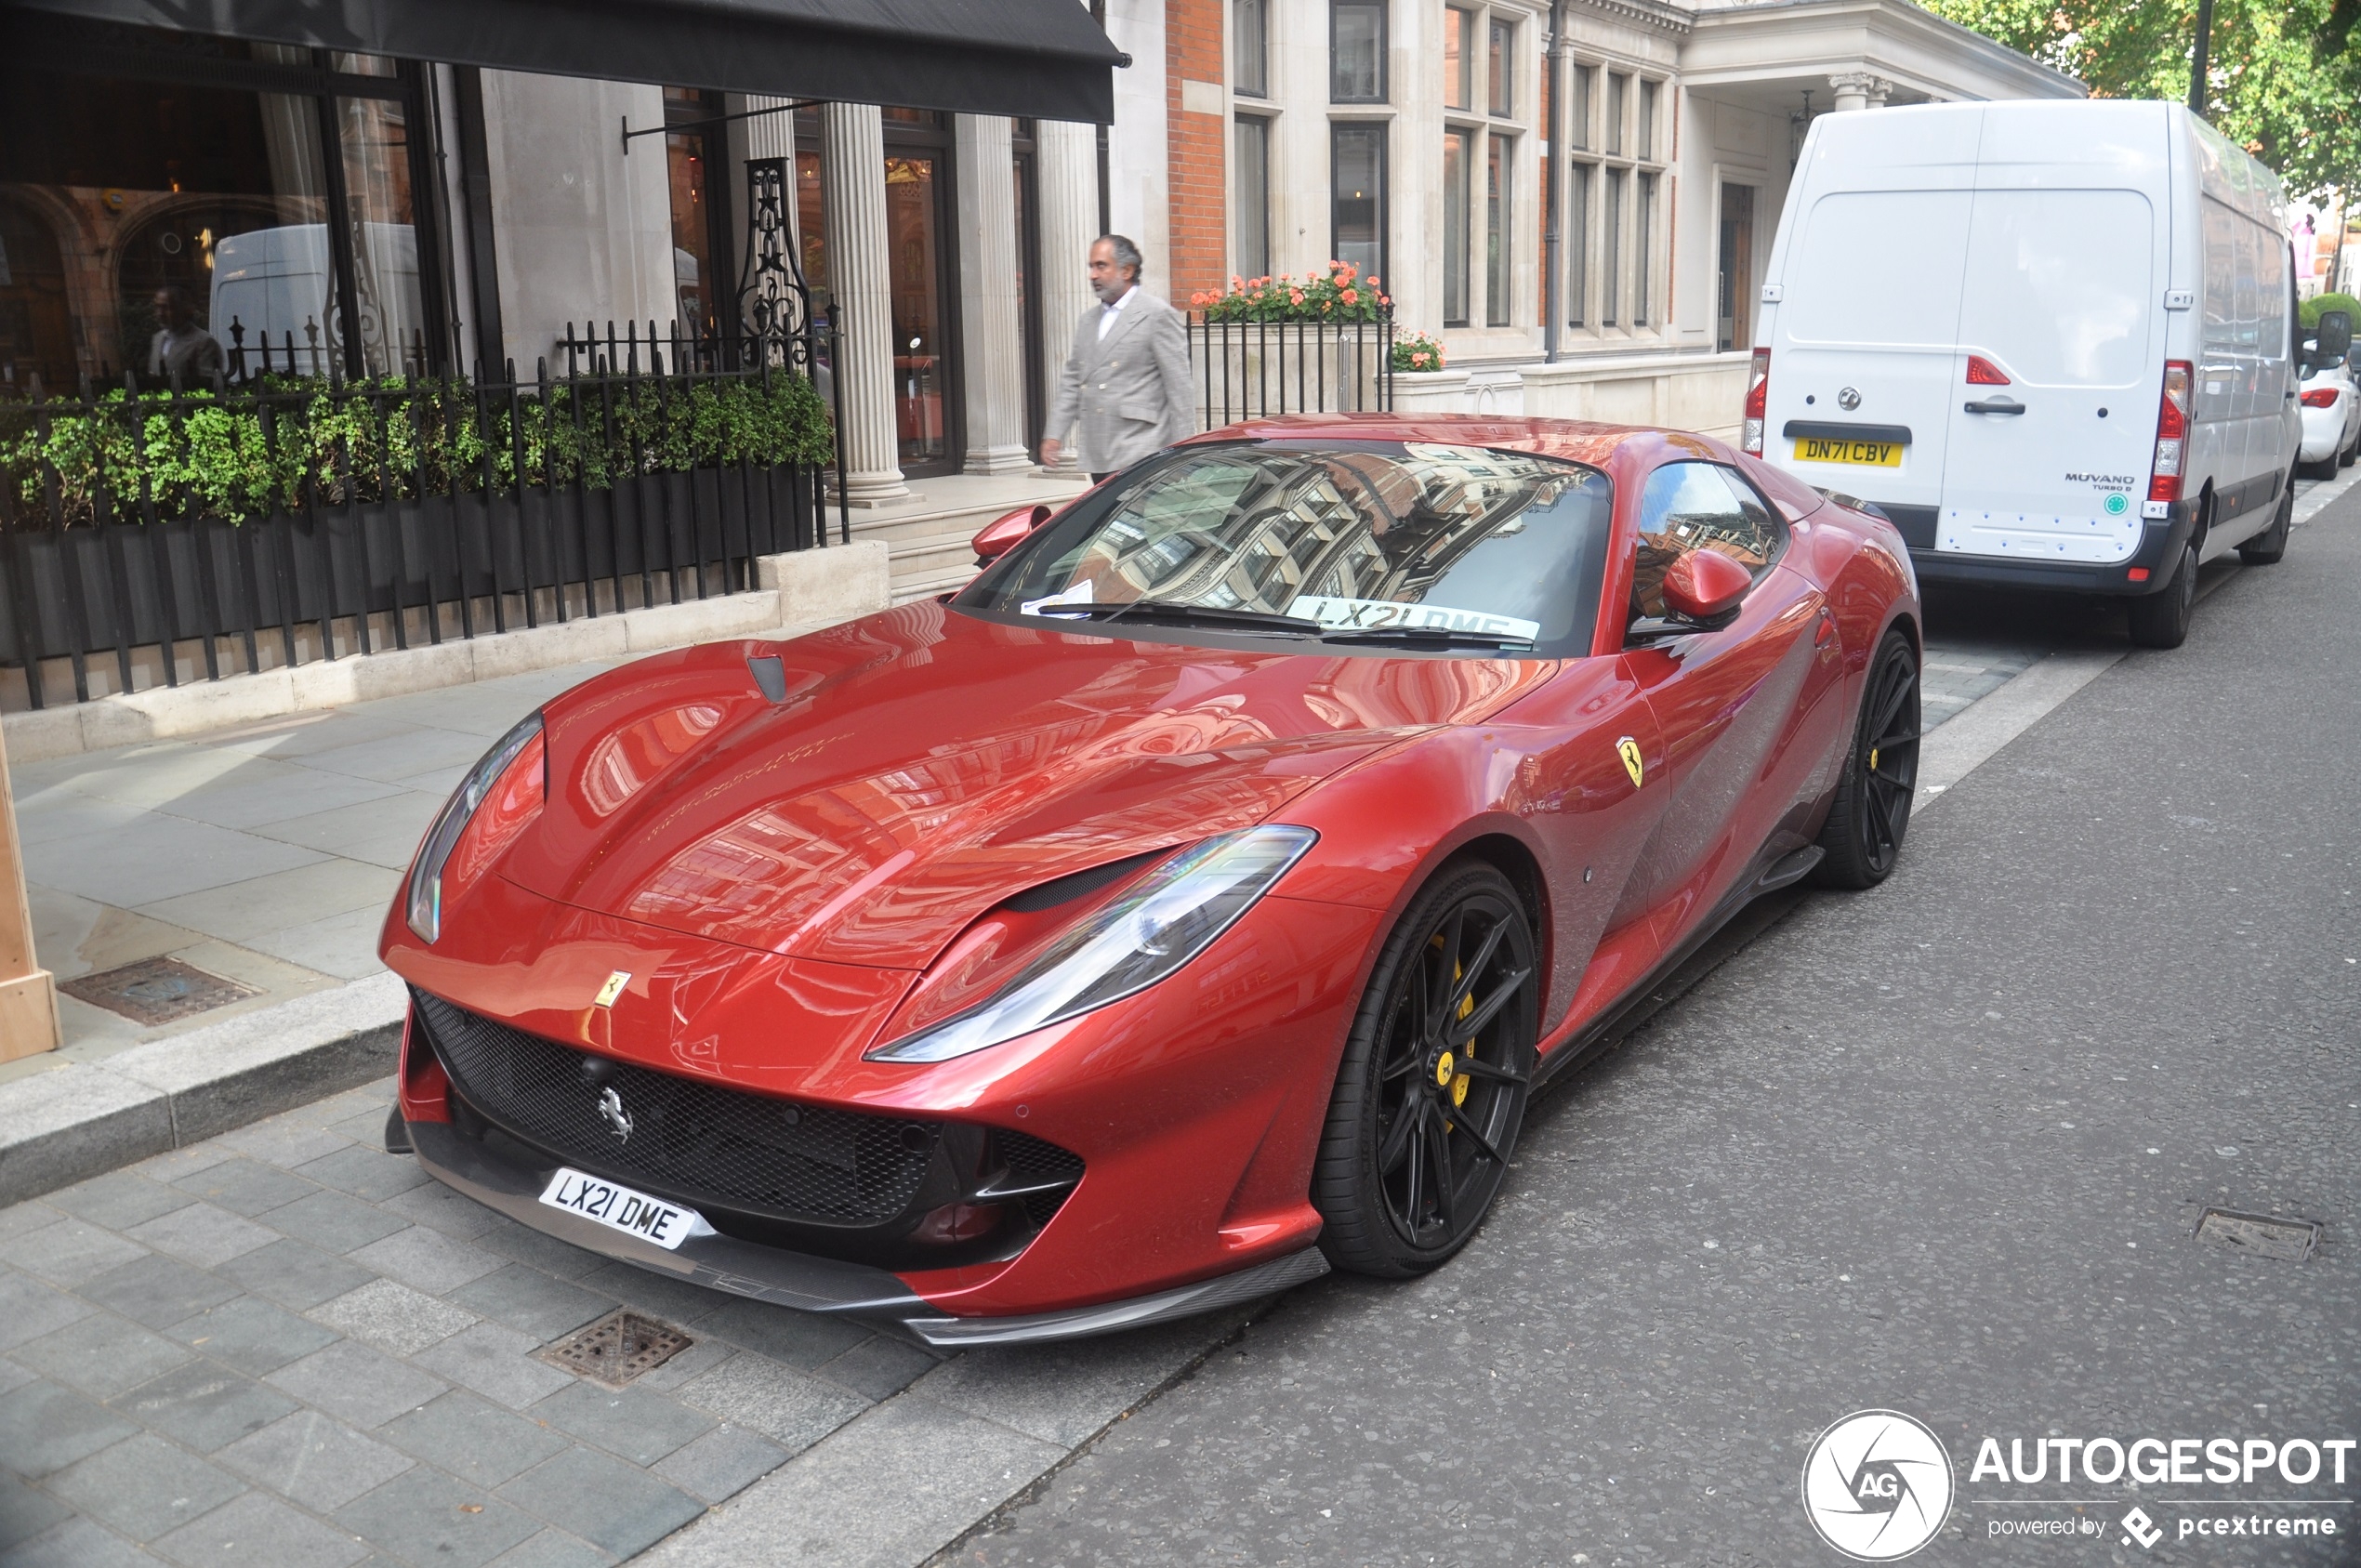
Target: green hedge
point(394, 437)
point(2311, 310)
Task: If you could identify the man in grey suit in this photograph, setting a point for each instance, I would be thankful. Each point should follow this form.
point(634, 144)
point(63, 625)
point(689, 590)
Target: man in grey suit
point(1128, 379)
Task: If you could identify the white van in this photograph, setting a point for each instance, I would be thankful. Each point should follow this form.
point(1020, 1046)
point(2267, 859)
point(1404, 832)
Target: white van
point(2053, 341)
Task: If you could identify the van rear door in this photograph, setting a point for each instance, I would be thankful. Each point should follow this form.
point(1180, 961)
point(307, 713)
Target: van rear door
point(1862, 335)
point(2066, 267)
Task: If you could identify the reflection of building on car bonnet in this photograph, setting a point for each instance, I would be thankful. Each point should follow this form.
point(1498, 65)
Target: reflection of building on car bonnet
point(1381, 533)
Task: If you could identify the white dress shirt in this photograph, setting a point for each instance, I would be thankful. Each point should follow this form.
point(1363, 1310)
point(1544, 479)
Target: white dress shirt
point(1107, 314)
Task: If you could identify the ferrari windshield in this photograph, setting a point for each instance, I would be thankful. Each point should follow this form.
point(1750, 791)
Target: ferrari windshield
point(1385, 544)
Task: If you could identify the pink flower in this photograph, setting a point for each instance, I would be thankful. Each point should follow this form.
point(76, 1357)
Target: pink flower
point(1353, 297)
point(1295, 295)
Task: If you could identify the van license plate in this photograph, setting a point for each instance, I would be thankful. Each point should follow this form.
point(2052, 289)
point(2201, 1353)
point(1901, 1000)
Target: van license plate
point(1862, 453)
point(620, 1208)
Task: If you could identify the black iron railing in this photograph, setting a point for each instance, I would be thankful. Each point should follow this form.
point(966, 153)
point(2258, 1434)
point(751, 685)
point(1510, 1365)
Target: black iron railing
point(302, 518)
point(1252, 369)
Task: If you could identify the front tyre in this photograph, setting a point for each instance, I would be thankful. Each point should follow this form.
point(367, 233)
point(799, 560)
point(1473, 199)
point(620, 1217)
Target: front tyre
point(1433, 1084)
point(1862, 837)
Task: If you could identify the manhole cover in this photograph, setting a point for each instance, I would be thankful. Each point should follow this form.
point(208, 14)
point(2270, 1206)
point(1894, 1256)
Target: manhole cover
point(156, 990)
point(2291, 1241)
point(617, 1348)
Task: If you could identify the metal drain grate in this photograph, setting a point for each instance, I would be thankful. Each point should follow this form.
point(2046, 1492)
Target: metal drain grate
point(156, 991)
point(617, 1348)
point(2259, 1236)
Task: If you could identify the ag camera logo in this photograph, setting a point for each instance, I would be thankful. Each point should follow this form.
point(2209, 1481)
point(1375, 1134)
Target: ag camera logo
point(1876, 1485)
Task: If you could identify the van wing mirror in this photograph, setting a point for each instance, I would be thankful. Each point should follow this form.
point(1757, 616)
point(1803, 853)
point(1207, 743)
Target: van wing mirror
point(1705, 586)
point(1003, 534)
point(2336, 336)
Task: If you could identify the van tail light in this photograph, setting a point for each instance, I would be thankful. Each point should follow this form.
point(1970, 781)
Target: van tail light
point(1757, 393)
point(2172, 433)
point(1984, 372)
point(2320, 397)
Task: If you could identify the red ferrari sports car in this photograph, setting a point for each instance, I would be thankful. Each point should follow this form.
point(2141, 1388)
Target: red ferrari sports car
point(1185, 908)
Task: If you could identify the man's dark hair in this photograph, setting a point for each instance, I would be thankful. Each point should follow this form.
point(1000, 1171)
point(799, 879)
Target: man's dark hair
point(1126, 253)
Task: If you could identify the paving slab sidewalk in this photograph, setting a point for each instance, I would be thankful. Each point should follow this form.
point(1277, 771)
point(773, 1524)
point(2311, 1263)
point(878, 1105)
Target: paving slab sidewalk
point(284, 1346)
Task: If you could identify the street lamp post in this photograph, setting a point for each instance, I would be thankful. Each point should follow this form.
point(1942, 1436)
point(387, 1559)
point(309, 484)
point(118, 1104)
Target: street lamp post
point(2197, 59)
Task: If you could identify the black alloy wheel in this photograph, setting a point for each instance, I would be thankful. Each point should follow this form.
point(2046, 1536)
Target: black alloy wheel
point(1434, 1080)
point(2161, 619)
point(1862, 837)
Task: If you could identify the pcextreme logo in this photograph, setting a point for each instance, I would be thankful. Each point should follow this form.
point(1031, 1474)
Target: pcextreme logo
point(1876, 1485)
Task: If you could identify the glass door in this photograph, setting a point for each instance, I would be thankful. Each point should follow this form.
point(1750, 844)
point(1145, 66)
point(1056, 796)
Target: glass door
point(921, 268)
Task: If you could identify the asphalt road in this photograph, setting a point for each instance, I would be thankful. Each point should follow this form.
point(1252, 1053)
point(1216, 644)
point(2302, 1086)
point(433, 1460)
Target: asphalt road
point(1940, 1147)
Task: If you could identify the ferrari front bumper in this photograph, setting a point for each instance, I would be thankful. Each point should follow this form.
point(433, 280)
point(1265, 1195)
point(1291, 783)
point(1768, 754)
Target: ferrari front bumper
point(823, 1284)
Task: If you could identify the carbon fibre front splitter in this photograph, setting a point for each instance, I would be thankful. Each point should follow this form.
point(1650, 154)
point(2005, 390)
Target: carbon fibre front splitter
point(823, 1284)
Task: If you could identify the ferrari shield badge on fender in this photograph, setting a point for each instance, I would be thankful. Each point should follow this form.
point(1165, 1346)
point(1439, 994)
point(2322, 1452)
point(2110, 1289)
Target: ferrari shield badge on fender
point(1628, 749)
point(621, 978)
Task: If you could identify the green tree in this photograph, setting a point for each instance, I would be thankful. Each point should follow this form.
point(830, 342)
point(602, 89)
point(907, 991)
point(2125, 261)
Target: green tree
point(2283, 77)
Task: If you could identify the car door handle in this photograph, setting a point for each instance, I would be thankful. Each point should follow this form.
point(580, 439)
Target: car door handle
point(1996, 406)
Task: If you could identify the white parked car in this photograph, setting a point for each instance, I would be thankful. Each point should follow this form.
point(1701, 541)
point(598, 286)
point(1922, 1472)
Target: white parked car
point(2053, 341)
point(2331, 397)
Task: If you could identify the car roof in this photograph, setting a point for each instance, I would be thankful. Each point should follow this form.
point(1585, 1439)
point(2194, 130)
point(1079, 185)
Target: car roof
point(1579, 441)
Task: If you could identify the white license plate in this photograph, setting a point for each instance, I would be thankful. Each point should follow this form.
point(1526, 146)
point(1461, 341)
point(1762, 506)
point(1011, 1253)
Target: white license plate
point(620, 1208)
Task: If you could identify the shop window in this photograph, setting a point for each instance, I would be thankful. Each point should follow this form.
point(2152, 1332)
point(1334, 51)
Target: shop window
point(1356, 52)
point(1579, 178)
point(191, 221)
point(1357, 175)
point(1643, 224)
point(694, 155)
point(1611, 249)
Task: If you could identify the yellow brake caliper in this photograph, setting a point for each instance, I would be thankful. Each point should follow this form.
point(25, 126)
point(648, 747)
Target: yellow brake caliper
point(1446, 1071)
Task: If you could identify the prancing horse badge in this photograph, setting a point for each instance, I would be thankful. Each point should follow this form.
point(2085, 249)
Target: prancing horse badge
point(1628, 749)
point(611, 989)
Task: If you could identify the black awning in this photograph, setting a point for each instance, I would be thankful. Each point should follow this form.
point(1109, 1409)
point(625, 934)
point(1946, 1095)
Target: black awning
point(1041, 57)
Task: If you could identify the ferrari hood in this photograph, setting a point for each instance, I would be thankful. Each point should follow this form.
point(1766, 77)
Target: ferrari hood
point(919, 766)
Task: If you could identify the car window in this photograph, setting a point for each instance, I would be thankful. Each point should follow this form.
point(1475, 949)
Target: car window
point(1350, 537)
point(1697, 507)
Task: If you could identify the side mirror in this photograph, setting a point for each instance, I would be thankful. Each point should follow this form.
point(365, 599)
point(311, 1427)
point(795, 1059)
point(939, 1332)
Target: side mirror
point(2336, 336)
point(1705, 586)
point(1002, 535)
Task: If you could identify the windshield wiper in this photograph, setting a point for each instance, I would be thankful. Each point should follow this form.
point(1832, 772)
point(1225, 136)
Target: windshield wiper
point(1428, 637)
point(1170, 612)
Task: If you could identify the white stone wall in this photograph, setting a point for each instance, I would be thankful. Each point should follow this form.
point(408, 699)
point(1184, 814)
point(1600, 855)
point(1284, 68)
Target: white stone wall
point(580, 228)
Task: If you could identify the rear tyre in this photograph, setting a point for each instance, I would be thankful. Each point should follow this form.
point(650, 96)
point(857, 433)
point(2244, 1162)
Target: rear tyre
point(1862, 837)
point(2267, 547)
point(2352, 450)
point(1433, 1084)
point(2161, 619)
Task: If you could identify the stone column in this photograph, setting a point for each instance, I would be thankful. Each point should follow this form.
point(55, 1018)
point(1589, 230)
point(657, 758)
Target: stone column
point(854, 203)
point(1066, 165)
point(991, 336)
point(1858, 89)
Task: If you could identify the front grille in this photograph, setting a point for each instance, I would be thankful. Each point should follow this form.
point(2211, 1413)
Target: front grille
point(689, 1139)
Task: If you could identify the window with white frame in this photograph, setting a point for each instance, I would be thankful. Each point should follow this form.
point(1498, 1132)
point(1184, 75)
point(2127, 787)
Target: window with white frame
point(1483, 95)
point(1617, 145)
point(1250, 186)
point(1250, 47)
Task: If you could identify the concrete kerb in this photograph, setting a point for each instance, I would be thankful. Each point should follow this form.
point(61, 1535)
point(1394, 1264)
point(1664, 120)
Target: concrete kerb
point(801, 589)
point(63, 1127)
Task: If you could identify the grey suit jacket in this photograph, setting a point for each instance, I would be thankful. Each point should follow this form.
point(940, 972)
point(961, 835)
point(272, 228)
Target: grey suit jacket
point(1130, 391)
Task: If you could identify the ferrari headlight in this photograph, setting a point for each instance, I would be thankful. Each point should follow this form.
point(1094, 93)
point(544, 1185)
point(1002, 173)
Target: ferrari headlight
point(1171, 916)
point(424, 891)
